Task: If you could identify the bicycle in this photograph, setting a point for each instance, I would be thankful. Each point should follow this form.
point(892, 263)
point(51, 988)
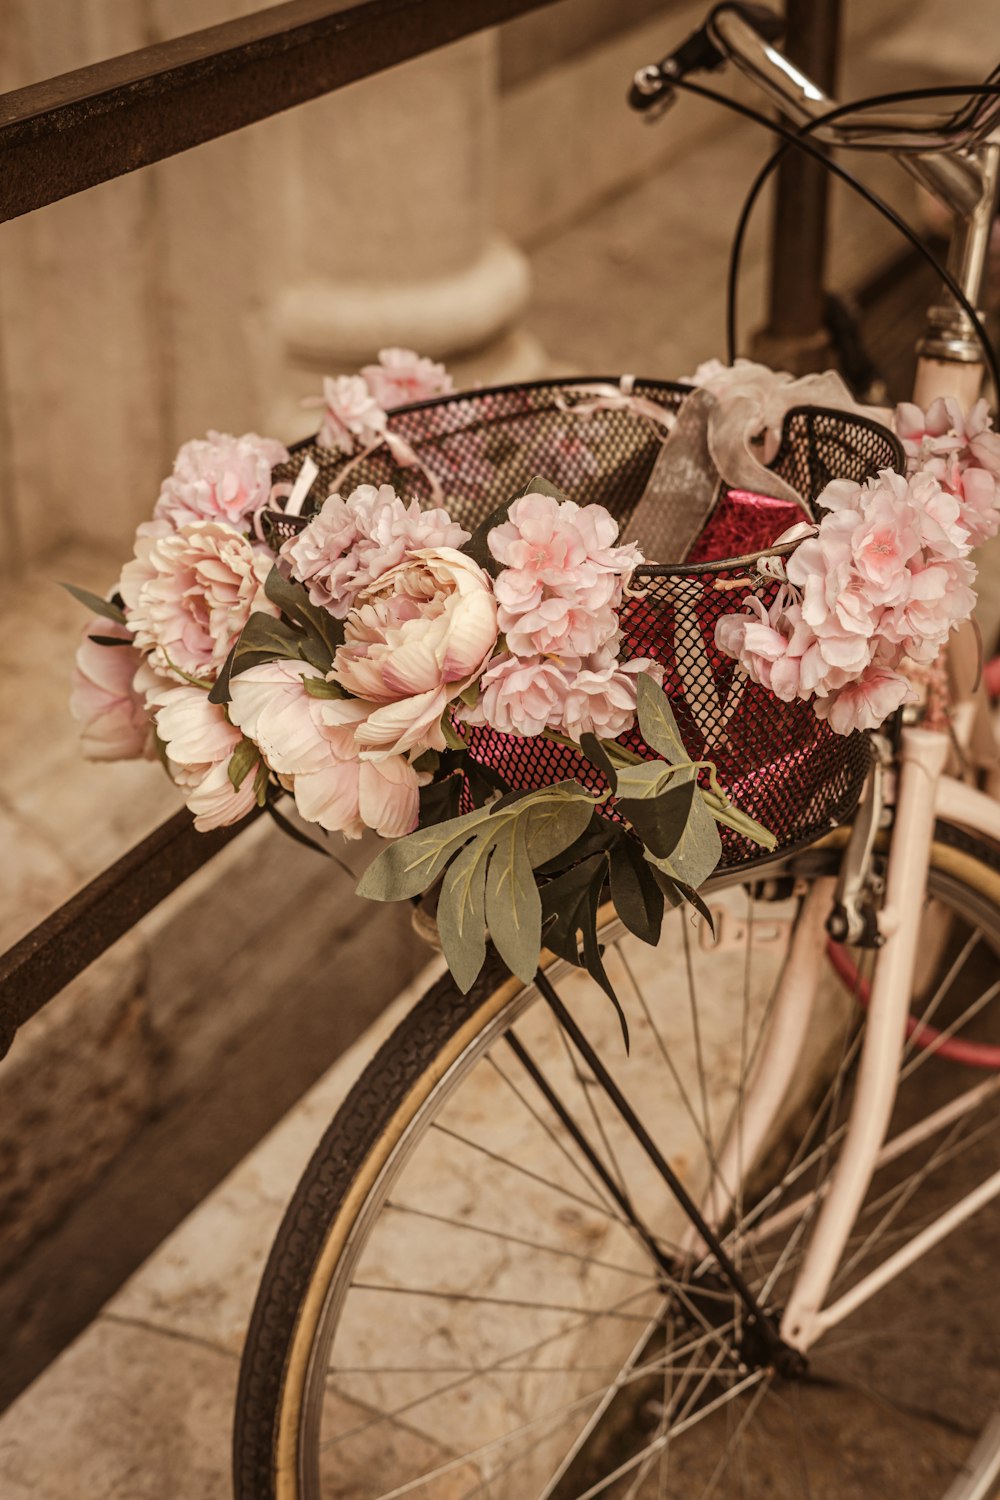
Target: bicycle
point(499, 1278)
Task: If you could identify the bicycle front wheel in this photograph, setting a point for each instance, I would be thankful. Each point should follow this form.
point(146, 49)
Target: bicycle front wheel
point(483, 1288)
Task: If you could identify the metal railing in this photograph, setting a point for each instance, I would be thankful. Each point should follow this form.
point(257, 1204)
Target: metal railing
point(70, 133)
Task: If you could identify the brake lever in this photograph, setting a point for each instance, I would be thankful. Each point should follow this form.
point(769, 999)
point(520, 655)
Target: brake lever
point(651, 93)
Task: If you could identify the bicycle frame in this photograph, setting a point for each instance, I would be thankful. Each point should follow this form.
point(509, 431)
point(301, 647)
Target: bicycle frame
point(959, 161)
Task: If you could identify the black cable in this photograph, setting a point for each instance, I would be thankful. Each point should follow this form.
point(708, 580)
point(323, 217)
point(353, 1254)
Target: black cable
point(875, 101)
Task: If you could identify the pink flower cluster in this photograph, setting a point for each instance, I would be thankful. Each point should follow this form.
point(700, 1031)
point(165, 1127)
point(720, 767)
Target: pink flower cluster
point(416, 636)
point(962, 453)
point(426, 630)
point(355, 406)
point(219, 478)
point(188, 594)
point(188, 591)
point(349, 543)
point(310, 743)
point(886, 577)
point(558, 593)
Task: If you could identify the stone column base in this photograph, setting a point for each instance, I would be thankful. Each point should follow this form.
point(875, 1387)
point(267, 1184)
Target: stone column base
point(468, 319)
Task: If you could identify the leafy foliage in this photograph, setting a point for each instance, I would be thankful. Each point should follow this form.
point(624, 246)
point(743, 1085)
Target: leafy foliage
point(570, 904)
point(488, 858)
point(303, 632)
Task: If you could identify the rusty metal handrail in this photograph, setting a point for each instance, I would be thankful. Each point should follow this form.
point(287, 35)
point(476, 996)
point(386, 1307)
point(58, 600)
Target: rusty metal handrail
point(45, 960)
point(82, 128)
point(72, 132)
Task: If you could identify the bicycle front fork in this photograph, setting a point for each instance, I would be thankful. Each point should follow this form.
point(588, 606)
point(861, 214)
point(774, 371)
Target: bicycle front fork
point(922, 760)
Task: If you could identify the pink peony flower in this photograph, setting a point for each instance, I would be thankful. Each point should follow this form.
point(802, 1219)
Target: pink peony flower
point(562, 577)
point(219, 478)
point(382, 792)
point(311, 743)
point(520, 695)
point(941, 596)
point(188, 594)
point(402, 376)
point(962, 453)
point(417, 636)
point(104, 700)
point(199, 742)
point(559, 627)
point(867, 703)
point(601, 697)
point(527, 696)
point(350, 543)
point(885, 577)
point(352, 418)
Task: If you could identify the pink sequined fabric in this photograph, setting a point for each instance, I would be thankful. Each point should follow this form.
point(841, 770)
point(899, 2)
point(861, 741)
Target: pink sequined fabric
point(743, 523)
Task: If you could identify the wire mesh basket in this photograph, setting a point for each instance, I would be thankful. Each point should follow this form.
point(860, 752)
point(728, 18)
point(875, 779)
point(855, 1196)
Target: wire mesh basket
point(776, 760)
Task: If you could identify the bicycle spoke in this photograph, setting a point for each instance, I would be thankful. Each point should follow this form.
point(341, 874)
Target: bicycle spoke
point(527, 1244)
point(928, 1013)
point(594, 1184)
point(505, 1161)
point(519, 1353)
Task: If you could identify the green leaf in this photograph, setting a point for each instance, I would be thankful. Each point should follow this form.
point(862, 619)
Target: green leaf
point(293, 600)
point(319, 687)
point(740, 822)
point(691, 896)
point(657, 722)
point(599, 834)
point(260, 784)
point(672, 892)
point(570, 904)
point(219, 692)
point(452, 738)
point(409, 865)
point(599, 757)
point(478, 547)
point(538, 485)
point(265, 638)
point(461, 914)
point(642, 782)
point(565, 902)
point(552, 826)
point(513, 906)
point(697, 850)
point(110, 640)
point(483, 781)
point(635, 892)
point(243, 759)
point(95, 603)
point(660, 821)
point(429, 761)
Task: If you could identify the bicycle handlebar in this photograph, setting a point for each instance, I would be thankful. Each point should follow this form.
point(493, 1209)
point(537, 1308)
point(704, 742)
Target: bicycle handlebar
point(933, 147)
